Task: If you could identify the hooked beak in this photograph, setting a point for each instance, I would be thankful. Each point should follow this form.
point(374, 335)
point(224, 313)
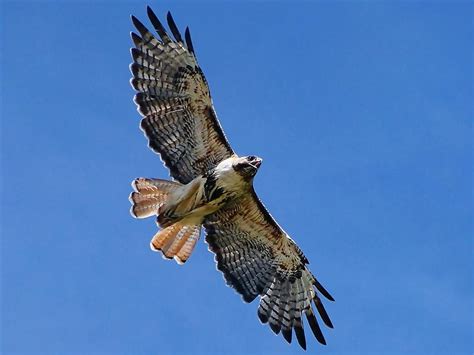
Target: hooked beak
point(257, 162)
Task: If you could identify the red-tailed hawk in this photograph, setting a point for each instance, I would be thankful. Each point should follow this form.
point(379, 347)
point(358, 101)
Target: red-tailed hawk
point(213, 188)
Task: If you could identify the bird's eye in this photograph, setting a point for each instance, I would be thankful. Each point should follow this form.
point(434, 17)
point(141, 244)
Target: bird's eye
point(251, 158)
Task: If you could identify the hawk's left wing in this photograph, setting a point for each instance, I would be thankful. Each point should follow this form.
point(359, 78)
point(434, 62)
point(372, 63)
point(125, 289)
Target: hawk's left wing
point(174, 99)
point(258, 258)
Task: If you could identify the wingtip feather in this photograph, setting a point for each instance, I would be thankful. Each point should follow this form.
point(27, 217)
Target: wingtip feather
point(323, 291)
point(139, 26)
point(313, 323)
point(275, 327)
point(286, 332)
point(174, 29)
point(299, 331)
point(155, 21)
point(263, 317)
point(322, 312)
point(189, 42)
point(136, 39)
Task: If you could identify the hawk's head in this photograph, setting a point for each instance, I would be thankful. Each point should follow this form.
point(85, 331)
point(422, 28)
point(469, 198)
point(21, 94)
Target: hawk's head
point(247, 166)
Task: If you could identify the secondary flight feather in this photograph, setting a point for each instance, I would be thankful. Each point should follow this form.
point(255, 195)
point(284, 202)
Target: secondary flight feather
point(213, 188)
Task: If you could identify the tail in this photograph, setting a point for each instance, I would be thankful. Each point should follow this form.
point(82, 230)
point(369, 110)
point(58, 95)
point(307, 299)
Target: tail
point(176, 241)
point(178, 238)
point(149, 195)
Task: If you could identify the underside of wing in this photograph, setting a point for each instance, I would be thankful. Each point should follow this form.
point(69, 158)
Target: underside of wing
point(173, 97)
point(257, 258)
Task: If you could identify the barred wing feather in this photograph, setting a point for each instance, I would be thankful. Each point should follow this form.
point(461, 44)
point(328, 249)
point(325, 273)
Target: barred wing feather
point(173, 97)
point(258, 258)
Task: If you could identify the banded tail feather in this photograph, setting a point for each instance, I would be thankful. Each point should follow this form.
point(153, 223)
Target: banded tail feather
point(149, 195)
point(176, 241)
point(178, 235)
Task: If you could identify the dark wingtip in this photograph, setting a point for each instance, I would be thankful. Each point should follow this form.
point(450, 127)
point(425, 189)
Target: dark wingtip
point(248, 298)
point(189, 43)
point(287, 334)
point(300, 336)
point(135, 53)
point(138, 25)
point(151, 13)
point(262, 316)
point(157, 25)
point(134, 68)
point(322, 312)
point(136, 39)
point(313, 323)
point(323, 290)
point(275, 327)
point(174, 29)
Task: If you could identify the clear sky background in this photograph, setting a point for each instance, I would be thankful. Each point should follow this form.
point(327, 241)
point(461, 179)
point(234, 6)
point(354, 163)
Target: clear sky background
point(363, 114)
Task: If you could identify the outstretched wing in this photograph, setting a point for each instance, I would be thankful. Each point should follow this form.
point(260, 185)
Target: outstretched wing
point(258, 258)
point(174, 99)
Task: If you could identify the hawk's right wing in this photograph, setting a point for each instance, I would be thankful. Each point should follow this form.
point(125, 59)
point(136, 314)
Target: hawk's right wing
point(258, 258)
point(174, 99)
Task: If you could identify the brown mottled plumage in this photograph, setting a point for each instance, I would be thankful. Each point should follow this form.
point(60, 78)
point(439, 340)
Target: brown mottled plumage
point(213, 188)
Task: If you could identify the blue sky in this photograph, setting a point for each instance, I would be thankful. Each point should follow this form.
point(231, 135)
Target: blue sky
point(362, 112)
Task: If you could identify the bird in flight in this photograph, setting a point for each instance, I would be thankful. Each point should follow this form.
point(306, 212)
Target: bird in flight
point(212, 188)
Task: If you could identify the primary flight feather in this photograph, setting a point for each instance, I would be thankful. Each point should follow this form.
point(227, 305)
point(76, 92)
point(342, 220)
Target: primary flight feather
point(213, 188)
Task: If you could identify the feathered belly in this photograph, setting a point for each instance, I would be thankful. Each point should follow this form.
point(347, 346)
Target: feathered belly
point(211, 206)
point(194, 201)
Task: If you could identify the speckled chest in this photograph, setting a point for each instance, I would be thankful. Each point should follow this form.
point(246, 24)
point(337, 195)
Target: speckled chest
point(218, 189)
